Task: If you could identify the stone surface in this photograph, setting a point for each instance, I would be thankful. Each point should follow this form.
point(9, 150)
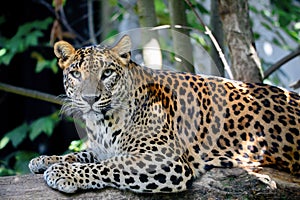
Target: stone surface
point(215, 184)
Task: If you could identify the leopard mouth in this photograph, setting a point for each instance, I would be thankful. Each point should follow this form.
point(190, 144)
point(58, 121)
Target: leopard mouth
point(101, 106)
point(80, 107)
point(96, 109)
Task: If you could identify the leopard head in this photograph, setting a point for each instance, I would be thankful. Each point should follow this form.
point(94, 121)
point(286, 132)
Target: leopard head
point(95, 77)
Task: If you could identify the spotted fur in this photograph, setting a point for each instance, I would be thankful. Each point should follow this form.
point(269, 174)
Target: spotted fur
point(155, 131)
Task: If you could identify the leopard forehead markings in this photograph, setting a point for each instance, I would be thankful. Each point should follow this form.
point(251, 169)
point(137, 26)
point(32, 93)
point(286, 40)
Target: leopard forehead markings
point(154, 131)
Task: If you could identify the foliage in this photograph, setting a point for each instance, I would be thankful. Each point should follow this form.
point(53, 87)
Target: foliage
point(26, 36)
point(16, 136)
point(41, 125)
point(288, 17)
point(43, 63)
point(192, 19)
point(20, 160)
point(162, 14)
point(77, 145)
point(283, 18)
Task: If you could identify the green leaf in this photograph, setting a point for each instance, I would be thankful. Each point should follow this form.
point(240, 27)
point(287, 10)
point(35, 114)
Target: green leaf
point(6, 172)
point(50, 64)
point(53, 66)
point(42, 63)
point(267, 26)
point(6, 58)
point(281, 37)
point(77, 145)
point(113, 2)
point(111, 34)
point(16, 136)
point(22, 160)
point(3, 52)
point(297, 26)
point(253, 9)
point(276, 41)
point(256, 36)
point(27, 35)
point(43, 125)
point(32, 38)
point(293, 34)
point(3, 142)
point(202, 9)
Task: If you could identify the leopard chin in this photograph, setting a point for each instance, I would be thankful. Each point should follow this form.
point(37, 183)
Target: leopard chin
point(93, 115)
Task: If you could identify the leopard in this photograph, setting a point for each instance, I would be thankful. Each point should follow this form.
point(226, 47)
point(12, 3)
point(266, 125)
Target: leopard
point(156, 131)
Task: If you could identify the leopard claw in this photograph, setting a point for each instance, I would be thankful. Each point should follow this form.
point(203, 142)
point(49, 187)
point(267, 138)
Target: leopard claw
point(37, 165)
point(57, 177)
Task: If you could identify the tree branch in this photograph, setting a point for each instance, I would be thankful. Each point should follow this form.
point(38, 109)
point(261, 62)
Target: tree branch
point(281, 62)
point(47, 5)
point(65, 22)
point(295, 85)
point(217, 29)
point(62, 18)
point(181, 42)
point(91, 22)
point(31, 93)
point(213, 39)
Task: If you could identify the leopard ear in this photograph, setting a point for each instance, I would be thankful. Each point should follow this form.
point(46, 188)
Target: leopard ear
point(123, 48)
point(64, 52)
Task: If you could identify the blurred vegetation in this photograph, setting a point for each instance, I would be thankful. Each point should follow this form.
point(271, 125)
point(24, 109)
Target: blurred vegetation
point(283, 19)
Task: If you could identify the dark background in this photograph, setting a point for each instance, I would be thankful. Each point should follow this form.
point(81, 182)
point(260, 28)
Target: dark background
point(16, 109)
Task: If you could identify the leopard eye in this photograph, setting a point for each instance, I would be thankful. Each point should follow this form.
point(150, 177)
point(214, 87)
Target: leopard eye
point(75, 74)
point(106, 73)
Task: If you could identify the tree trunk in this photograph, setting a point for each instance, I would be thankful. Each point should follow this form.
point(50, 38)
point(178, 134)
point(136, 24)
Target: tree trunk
point(181, 39)
point(106, 23)
point(216, 28)
point(91, 29)
point(147, 14)
point(245, 63)
point(151, 49)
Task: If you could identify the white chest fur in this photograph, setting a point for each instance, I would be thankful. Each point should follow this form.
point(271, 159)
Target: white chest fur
point(100, 137)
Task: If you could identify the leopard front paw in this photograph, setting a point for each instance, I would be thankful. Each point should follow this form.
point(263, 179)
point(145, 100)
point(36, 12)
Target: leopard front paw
point(60, 176)
point(39, 164)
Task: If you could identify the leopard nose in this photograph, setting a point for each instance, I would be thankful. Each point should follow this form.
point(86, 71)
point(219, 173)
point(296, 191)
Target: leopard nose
point(91, 99)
